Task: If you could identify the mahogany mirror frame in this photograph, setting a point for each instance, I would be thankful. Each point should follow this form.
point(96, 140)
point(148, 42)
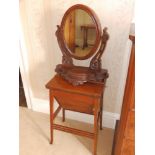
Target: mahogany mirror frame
point(78, 75)
point(98, 31)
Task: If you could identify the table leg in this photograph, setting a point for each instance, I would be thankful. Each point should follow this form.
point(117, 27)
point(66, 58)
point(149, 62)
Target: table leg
point(101, 106)
point(101, 112)
point(51, 116)
point(63, 115)
point(85, 35)
point(95, 130)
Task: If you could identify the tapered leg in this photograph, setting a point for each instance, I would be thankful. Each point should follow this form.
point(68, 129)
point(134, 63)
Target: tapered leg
point(63, 115)
point(51, 116)
point(101, 112)
point(101, 120)
point(95, 130)
point(101, 107)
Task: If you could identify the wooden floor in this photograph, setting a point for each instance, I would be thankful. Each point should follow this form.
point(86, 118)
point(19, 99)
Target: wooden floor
point(22, 99)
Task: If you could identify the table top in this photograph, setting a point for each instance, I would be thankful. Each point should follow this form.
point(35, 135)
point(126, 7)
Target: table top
point(89, 89)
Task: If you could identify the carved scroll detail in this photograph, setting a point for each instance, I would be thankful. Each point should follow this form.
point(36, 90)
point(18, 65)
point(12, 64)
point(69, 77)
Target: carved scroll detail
point(66, 59)
point(95, 63)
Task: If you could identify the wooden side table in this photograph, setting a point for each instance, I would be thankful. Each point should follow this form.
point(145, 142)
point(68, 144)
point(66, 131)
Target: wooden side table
point(85, 29)
point(87, 98)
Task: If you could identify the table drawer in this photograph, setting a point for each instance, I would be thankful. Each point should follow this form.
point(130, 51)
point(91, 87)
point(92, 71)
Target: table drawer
point(75, 102)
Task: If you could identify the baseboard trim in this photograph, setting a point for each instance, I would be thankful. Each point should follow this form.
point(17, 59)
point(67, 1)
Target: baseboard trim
point(109, 119)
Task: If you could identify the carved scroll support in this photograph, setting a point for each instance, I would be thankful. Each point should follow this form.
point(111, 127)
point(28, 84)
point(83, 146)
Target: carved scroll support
point(66, 59)
point(95, 63)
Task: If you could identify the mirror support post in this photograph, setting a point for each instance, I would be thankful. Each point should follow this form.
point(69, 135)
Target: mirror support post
point(95, 63)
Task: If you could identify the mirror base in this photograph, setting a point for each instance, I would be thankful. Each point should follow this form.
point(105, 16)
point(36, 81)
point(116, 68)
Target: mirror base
point(78, 75)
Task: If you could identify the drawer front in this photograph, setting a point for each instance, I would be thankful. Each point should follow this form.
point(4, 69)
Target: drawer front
point(130, 127)
point(75, 102)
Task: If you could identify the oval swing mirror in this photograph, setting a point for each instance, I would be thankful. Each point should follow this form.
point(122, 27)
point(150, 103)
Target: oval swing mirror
point(81, 32)
point(79, 36)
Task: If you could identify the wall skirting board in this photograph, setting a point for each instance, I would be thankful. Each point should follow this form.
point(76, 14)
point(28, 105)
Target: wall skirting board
point(109, 118)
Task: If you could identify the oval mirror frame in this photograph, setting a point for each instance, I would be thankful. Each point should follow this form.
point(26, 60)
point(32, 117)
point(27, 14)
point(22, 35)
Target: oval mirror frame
point(97, 24)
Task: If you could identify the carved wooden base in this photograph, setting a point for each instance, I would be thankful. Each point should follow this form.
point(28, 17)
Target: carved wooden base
point(78, 75)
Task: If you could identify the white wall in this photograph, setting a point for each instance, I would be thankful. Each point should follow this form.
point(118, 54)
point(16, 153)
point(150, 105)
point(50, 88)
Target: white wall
point(36, 23)
point(39, 19)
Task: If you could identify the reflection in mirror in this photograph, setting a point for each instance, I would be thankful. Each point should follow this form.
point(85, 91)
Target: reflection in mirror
point(79, 32)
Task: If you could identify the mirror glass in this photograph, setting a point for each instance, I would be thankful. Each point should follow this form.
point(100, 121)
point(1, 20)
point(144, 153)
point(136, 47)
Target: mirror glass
point(79, 32)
